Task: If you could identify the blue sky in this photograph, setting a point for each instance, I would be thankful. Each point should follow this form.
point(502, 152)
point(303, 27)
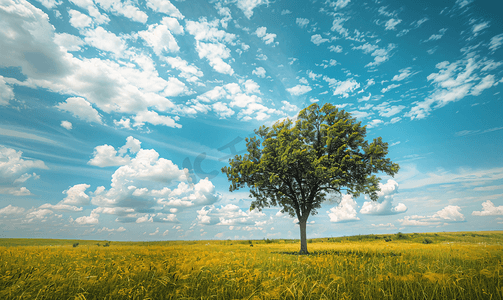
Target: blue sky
point(116, 117)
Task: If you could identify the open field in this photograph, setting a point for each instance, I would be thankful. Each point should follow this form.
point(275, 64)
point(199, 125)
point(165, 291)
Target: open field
point(463, 265)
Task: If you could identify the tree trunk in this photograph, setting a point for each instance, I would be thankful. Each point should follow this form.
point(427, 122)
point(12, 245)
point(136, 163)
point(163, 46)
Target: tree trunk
point(303, 240)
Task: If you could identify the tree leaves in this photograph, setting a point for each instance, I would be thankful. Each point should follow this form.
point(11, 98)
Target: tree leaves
point(295, 165)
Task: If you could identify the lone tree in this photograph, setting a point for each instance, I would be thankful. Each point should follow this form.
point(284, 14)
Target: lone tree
point(296, 165)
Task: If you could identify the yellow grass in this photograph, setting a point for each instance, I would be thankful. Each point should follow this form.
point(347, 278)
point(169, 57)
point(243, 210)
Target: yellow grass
point(336, 269)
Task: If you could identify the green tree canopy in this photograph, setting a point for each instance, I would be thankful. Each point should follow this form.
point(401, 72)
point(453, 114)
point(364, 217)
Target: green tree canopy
point(295, 165)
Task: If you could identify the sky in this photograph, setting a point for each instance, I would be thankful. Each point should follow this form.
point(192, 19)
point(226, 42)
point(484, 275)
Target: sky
point(116, 117)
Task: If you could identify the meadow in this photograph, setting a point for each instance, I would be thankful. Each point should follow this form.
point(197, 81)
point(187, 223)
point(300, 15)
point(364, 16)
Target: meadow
point(462, 265)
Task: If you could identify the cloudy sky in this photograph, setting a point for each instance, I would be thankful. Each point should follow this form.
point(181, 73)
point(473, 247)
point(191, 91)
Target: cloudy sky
point(117, 116)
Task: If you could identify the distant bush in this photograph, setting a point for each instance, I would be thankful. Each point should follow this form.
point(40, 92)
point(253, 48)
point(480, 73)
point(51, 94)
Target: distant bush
point(75, 245)
point(268, 241)
point(427, 241)
point(401, 236)
point(106, 245)
point(387, 239)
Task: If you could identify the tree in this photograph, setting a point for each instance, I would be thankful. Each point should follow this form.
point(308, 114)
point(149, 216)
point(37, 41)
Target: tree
point(296, 165)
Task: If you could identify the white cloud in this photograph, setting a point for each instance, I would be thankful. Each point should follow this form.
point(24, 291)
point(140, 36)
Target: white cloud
point(231, 215)
point(104, 40)
point(302, 22)
point(6, 92)
point(342, 88)
point(463, 3)
point(79, 20)
point(13, 171)
point(125, 9)
point(92, 219)
point(76, 195)
point(374, 123)
point(106, 156)
point(268, 38)
point(496, 42)
point(404, 73)
point(154, 118)
point(384, 204)
point(164, 6)
point(453, 82)
point(209, 32)
point(147, 182)
point(80, 108)
point(336, 49)
point(50, 4)
point(477, 28)
point(436, 37)
point(389, 87)
point(215, 53)
point(190, 72)
point(486, 82)
point(160, 39)
point(489, 209)
point(285, 12)
point(259, 71)
point(11, 210)
point(380, 54)
point(449, 214)
point(289, 107)
point(39, 214)
point(391, 23)
point(247, 6)
point(317, 39)
point(299, 90)
point(339, 4)
point(345, 211)
point(68, 42)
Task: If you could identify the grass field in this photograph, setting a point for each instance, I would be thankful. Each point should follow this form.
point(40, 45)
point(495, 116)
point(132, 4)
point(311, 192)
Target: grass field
point(463, 265)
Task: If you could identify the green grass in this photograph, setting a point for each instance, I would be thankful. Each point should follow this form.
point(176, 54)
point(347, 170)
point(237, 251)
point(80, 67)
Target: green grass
point(461, 265)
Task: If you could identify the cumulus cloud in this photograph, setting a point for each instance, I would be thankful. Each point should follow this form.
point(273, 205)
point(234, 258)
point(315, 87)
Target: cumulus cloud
point(126, 9)
point(302, 22)
point(79, 20)
point(453, 82)
point(342, 88)
point(268, 38)
point(336, 49)
point(384, 204)
point(80, 108)
point(404, 74)
point(190, 72)
point(259, 71)
point(147, 181)
point(345, 211)
point(104, 40)
point(496, 42)
point(389, 87)
point(160, 39)
point(166, 7)
point(247, 6)
point(231, 215)
point(299, 90)
point(449, 214)
point(215, 53)
point(13, 171)
point(489, 209)
point(104, 83)
point(317, 39)
point(6, 92)
point(380, 54)
point(66, 125)
point(11, 210)
point(391, 24)
point(92, 219)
